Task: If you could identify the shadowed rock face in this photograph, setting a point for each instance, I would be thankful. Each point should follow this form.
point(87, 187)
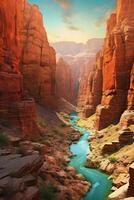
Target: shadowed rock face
point(91, 88)
point(15, 108)
point(79, 57)
point(23, 40)
point(131, 91)
point(64, 81)
point(38, 61)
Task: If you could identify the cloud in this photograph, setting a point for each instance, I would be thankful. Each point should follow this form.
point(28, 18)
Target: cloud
point(73, 28)
point(64, 4)
point(103, 19)
point(67, 10)
point(68, 14)
point(68, 17)
point(68, 20)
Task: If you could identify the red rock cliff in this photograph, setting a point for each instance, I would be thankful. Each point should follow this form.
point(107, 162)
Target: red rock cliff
point(113, 75)
point(38, 63)
point(16, 109)
point(91, 88)
point(118, 58)
point(64, 80)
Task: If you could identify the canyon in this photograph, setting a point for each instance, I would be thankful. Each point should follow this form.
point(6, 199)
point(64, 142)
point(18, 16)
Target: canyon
point(79, 57)
point(27, 75)
point(93, 81)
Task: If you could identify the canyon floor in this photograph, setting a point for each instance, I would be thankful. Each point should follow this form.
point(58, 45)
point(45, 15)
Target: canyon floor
point(34, 169)
point(37, 168)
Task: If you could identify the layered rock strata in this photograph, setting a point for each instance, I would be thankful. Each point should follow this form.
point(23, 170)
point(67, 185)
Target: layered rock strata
point(64, 81)
point(91, 88)
point(16, 110)
point(38, 63)
point(117, 58)
point(24, 44)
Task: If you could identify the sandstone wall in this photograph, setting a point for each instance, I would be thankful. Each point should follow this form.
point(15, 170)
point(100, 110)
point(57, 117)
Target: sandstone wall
point(38, 63)
point(118, 58)
point(116, 61)
point(91, 88)
point(64, 81)
point(23, 42)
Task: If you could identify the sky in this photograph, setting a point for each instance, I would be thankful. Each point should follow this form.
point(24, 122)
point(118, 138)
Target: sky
point(75, 20)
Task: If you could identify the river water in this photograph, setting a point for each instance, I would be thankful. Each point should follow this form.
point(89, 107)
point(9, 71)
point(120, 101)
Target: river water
point(101, 185)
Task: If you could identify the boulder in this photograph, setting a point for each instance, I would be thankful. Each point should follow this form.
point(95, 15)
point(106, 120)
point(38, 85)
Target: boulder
point(32, 193)
point(130, 191)
point(126, 136)
point(119, 194)
point(127, 118)
point(17, 166)
point(109, 148)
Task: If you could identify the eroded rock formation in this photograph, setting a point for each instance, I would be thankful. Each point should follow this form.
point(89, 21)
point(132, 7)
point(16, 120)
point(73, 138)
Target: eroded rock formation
point(131, 91)
point(91, 88)
point(15, 108)
point(79, 57)
point(117, 58)
point(131, 181)
point(24, 47)
point(38, 61)
point(64, 80)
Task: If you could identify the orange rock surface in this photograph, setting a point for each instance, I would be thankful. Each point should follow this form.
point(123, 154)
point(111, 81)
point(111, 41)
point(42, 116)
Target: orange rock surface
point(118, 58)
point(115, 63)
point(131, 91)
point(91, 88)
point(64, 80)
point(38, 62)
point(16, 109)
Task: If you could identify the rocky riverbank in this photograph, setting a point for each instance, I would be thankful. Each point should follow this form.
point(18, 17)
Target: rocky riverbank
point(38, 168)
point(112, 152)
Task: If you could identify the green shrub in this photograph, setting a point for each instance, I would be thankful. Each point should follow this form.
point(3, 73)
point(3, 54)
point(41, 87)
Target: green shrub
point(117, 128)
point(47, 192)
point(70, 137)
point(113, 159)
point(4, 141)
point(67, 117)
point(63, 125)
point(21, 150)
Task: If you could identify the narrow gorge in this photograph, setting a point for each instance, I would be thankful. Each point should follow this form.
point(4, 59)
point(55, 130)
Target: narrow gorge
point(66, 100)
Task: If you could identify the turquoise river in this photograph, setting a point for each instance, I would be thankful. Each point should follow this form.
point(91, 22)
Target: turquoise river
point(101, 185)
